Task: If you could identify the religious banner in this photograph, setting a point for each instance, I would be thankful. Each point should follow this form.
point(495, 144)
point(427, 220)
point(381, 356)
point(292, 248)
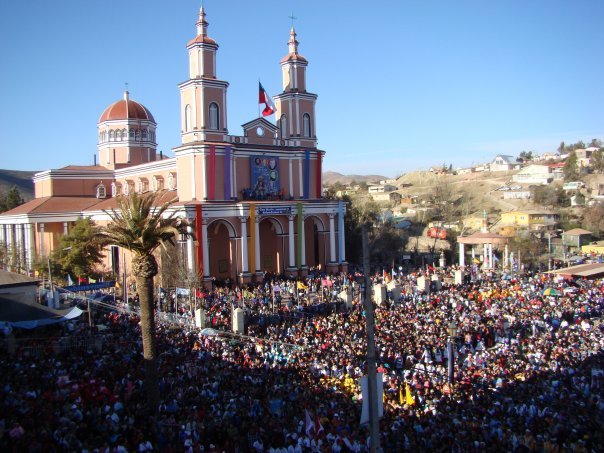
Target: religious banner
point(264, 177)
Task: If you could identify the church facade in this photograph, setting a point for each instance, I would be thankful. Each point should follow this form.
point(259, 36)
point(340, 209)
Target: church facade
point(254, 201)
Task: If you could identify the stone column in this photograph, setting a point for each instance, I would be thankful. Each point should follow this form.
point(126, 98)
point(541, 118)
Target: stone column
point(491, 262)
point(19, 243)
point(462, 254)
point(506, 261)
point(190, 251)
point(291, 242)
point(244, 257)
point(42, 244)
point(485, 256)
point(332, 238)
point(205, 248)
point(30, 249)
point(65, 228)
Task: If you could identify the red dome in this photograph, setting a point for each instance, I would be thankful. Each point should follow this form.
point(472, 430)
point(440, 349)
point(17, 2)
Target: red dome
point(126, 109)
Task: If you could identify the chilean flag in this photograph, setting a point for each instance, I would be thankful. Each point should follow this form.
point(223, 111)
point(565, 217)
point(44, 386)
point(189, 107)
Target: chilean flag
point(263, 98)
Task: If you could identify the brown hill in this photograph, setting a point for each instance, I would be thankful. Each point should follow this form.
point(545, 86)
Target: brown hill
point(21, 179)
point(331, 177)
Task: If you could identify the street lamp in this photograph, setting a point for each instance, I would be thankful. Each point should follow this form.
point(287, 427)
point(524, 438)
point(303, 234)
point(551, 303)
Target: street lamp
point(452, 330)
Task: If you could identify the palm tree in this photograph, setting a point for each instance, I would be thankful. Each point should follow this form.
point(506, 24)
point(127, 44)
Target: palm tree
point(141, 224)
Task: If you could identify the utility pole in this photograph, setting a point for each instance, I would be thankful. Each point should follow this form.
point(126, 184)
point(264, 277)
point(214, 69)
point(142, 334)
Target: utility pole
point(374, 422)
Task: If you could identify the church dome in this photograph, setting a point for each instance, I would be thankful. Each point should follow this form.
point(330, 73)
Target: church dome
point(126, 109)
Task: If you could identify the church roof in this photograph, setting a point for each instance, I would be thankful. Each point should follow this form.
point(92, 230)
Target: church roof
point(53, 205)
point(126, 109)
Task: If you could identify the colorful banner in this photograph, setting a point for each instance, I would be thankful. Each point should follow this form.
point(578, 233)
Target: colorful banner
point(211, 173)
point(300, 227)
point(264, 177)
point(227, 173)
point(318, 176)
point(341, 231)
point(306, 174)
point(252, 244)
point(91, 287)
point(199, 239)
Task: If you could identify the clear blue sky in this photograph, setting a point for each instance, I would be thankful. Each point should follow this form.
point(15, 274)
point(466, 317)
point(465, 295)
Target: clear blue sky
point(402, 84)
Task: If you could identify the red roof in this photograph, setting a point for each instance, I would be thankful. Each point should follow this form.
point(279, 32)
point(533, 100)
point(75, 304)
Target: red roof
point(202, 40)
point(293, 57)
point(126, 110)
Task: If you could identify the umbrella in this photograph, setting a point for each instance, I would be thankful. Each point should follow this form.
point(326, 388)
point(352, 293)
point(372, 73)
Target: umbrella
point(551, 292)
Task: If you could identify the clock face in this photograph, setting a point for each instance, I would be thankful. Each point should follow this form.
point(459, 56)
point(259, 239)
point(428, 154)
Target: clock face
point(259, 131)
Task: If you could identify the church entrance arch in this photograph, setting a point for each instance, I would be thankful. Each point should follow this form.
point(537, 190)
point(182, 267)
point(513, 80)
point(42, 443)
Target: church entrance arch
point(221, 235)
point(271, 245)
point(314, 236)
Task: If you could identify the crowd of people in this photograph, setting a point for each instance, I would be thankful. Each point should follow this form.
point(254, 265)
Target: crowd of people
point(527, 372)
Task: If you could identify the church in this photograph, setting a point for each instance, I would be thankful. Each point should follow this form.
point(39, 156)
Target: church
point(254, 201)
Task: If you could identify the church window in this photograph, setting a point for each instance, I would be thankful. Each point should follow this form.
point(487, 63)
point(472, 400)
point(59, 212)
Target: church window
point(145, 133)
point(116, 189)
point(124, 134)
point(101, 191)
point(131, 134)
point(171, 182)
point(188, 126)
point(283, 126)
point(138, 135)
point(306, 125)
point(111, 136)
point(214, 123)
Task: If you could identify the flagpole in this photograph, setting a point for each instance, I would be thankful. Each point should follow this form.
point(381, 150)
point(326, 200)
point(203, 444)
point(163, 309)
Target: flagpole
point(258, 102)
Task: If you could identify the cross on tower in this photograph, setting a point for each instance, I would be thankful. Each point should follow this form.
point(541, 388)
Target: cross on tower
point(292, 17)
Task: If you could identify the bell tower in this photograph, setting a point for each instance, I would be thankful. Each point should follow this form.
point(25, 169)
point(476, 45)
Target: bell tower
point(295, 105)
point(203, 96)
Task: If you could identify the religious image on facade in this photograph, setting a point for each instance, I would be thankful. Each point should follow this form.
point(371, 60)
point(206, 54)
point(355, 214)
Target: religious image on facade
point(254, 200)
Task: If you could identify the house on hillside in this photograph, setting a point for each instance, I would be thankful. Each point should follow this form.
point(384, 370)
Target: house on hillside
point(534, 174)
point(531, 219)
point(380, 188)
point(504, 162)
point(391, 197)
point(517, 195)
point(575, 238)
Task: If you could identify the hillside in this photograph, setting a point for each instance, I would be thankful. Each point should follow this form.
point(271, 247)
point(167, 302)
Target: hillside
point(331, 177)
point(21, 179)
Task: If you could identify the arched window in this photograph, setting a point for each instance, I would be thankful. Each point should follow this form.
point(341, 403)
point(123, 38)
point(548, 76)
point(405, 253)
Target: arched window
point(138, 135)
point(214, 123)
point(132, 134)
point(115, 189)
point(283, 126)
point(111, 136)
point(145, 134)
point(101, 191)
point(306, 125)
point(124, 134)
point(171, 181)
point(188, 125)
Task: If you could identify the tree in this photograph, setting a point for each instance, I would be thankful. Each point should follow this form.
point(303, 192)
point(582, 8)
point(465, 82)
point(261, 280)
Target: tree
point(550, 196)
point(11, 200)
point(141, 224)
point(80, 252)
point(593, 219)
point(597, 161)
point(526, 156)
point(571, 169)
point(562, 148)
point(595, 143)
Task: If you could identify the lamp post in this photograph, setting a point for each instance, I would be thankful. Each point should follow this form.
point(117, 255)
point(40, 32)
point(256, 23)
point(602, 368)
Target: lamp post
point(452, 330)
point(549, 251)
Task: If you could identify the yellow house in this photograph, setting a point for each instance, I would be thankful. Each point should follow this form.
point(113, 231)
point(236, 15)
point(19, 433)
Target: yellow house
point(532, 219)
point(595, 248)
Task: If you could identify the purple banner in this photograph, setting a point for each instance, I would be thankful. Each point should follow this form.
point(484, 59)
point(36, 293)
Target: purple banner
point(227, 173)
